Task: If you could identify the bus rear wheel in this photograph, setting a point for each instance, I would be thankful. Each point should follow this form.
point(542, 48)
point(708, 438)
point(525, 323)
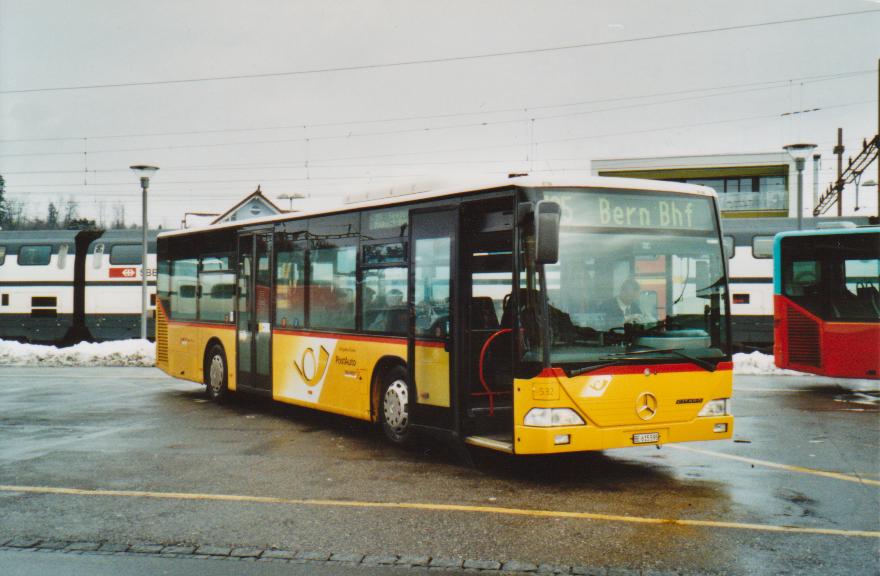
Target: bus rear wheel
point(395, 406)
point(216, 374)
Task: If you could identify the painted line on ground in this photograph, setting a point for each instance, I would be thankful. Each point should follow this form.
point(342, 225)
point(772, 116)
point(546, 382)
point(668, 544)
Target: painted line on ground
point(788, 467)
point(423, 506)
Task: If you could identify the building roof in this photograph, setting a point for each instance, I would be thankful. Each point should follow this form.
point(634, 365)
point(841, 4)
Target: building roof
point(256, 195)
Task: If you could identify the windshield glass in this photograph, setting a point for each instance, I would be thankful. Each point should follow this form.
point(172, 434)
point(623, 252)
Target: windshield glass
point(638, 273)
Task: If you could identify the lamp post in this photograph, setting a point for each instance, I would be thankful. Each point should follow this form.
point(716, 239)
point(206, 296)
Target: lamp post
point(869, 184)
point(290, 198)
point(144, 172)
point(799, 153)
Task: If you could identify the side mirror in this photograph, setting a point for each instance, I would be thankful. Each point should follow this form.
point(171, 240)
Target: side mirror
point(547, 216)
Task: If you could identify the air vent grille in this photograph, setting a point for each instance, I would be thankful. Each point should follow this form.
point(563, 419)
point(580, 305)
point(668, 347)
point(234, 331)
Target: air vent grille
point(161, 338)
point(803, 339)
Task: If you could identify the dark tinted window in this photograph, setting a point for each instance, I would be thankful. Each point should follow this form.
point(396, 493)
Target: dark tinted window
point(34, 255)
point(392, 252)
point(126, 254)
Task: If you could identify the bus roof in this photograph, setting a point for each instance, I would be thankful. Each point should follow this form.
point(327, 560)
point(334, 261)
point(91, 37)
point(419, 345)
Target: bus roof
point(829, 232)
point(413, 192)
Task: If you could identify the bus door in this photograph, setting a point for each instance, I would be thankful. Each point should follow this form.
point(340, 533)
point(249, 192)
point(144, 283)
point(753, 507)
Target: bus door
point(253, 307)
point(431, 341)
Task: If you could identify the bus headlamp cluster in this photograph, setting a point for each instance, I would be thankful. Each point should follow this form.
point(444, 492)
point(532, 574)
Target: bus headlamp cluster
point(717, 407)
point(548, 417)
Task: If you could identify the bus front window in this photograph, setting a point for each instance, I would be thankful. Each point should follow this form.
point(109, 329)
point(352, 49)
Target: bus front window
point(621, 292)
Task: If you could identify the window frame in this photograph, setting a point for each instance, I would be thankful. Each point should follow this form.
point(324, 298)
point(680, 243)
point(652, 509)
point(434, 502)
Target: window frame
point(126, 245)
point(41, 263)
point(769, 256)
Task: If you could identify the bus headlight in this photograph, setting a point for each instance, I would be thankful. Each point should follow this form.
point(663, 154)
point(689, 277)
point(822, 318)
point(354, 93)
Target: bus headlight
point(547, 417)
point(717, 407)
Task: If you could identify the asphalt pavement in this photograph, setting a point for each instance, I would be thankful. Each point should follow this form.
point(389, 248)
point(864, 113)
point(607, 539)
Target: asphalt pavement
point(129, 457)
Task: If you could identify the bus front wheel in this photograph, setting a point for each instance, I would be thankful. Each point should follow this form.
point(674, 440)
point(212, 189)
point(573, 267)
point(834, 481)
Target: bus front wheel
point(395, 406)
point(216, 374)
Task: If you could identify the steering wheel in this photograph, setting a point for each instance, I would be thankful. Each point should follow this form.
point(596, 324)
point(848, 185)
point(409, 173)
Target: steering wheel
point(805, 278)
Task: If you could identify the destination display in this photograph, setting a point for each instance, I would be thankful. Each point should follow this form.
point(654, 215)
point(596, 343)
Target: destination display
point(634, 211)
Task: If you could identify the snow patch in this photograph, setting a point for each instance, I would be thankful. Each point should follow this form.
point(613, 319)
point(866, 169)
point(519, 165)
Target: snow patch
point(757, 363)
point(138, 352)
point(133, 352)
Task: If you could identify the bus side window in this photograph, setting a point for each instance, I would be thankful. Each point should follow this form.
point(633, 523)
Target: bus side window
point(2, 255)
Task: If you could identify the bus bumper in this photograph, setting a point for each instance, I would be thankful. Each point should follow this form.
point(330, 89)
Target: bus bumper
point(534, 440)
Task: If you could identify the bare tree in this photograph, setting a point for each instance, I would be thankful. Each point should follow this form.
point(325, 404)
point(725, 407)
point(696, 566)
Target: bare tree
point(70, 211)
point(119, 216)
point(52, 217)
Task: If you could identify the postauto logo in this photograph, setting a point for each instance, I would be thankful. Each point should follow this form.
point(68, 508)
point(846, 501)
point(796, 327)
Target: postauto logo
point(310, 370)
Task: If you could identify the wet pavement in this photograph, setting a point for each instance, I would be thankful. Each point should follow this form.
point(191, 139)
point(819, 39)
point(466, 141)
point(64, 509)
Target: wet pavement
point(132, 456)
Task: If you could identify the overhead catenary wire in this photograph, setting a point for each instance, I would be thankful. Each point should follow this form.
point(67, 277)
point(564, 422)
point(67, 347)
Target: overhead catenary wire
point(776, 116)
point(766, 84)
point(446, 59)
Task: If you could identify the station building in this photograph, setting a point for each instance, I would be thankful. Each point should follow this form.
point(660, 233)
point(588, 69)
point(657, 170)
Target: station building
point(748, 185)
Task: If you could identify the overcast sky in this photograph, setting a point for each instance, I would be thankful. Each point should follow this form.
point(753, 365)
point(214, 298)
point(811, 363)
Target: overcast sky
point(329, 97)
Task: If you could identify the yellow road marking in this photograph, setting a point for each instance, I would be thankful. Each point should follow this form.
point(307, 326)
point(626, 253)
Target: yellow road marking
point(440, 508)
point(789, 467)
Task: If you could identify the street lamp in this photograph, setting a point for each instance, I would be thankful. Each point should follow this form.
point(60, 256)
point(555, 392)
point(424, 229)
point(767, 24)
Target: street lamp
point(799, 153)
point(290, 198)
point(144, 172)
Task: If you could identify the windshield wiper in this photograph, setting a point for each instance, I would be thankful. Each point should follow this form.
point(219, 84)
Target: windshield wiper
point(702, 363)
point(592, 367)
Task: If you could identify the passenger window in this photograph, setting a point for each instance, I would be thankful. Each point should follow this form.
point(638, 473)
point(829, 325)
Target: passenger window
point(332, 287)
point(332, 271)
point(432, 282)
point(762, 247)
point(216, 291)
point(183, 289)
point(383, 297)
point(34, 255)
point(131, 254)
point(290, 276)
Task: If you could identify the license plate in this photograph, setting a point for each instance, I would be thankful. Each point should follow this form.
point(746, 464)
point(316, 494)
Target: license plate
point(647, 438)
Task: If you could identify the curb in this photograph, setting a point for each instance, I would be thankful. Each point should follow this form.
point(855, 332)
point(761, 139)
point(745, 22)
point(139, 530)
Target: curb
point(253, 553)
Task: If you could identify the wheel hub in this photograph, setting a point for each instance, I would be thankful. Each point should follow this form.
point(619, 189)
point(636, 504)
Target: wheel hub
point(216, 374)
point(396, 406)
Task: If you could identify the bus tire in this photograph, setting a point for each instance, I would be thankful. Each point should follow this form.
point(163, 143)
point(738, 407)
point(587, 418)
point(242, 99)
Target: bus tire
point(216, 374)
point(394, 406)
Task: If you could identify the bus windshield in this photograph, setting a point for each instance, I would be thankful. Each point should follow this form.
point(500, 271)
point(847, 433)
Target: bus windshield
point(640, 276)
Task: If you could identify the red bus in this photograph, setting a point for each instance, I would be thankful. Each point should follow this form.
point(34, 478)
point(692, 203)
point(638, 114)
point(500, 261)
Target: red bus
point(827, 301)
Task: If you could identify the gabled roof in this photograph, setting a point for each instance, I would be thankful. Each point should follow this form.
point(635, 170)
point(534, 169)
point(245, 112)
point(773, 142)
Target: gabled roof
point(256, 194)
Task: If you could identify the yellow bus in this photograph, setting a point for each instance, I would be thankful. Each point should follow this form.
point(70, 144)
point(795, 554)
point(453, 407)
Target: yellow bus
point(522, 315)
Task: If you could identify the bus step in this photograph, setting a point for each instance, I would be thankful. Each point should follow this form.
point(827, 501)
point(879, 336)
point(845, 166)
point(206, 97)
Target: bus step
point(483, 411)
point(499, 442)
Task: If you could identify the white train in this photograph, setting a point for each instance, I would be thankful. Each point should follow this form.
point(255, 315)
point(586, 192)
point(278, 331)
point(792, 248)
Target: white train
point(66, 286)
point(750, 243)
